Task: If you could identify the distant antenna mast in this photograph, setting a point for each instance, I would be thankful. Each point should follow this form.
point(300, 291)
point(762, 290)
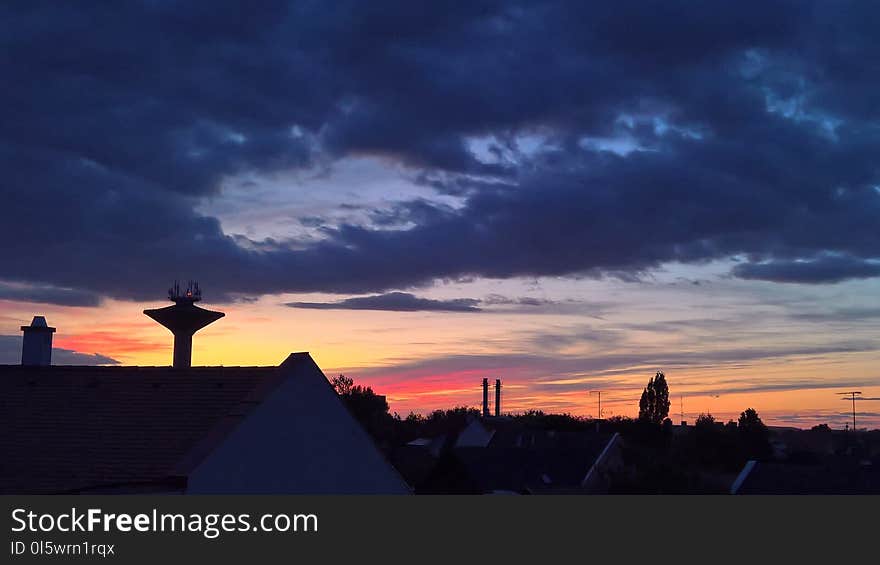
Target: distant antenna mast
point(681, 406)
point(854, 395)
point(599, 393)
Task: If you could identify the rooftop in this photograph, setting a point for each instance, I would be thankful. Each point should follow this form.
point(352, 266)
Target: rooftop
point(828, 477)
point(69, 429)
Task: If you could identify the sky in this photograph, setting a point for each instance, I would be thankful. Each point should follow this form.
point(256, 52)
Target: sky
point(569, 196)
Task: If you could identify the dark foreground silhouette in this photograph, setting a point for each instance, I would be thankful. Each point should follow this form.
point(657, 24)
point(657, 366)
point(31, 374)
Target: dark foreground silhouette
point(461, 451)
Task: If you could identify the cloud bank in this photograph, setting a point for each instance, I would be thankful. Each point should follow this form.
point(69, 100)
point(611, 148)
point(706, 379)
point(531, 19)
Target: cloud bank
point(10, 354)
point(394, 302)
point(628, 137)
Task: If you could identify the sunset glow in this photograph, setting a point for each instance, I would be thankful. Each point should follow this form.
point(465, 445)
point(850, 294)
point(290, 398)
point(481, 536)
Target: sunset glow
point(425, 196)
point(432, 360)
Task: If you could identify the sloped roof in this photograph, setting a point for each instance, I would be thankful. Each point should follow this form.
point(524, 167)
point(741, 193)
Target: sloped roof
point(531, 469)
point(414, 462)
point(81, 429)
point(67, 429)
point(301, 440)
point(524, 437)
point(830, 477)
point(507, 432)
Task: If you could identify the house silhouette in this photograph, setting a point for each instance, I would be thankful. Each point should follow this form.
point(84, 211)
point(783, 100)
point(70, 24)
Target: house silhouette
point(222, 430)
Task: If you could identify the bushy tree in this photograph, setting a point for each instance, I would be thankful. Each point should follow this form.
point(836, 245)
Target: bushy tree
point(537, 419)
point(705, 421)
point(749, 421)
point(714, 445)
point(654, 404)
point(754, 435)
point(342, 384)
point(368, 408)
point(439, 422)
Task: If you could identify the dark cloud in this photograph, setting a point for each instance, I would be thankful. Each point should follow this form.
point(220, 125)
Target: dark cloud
point(821, 270)
point(312, 221)
point(692, 282)
point(750, 130)
point(394, 302)
point(10, 354)
point(43, 294)
point(68, 357)
point(498, 299)
point(844, 315)
point(406, 302)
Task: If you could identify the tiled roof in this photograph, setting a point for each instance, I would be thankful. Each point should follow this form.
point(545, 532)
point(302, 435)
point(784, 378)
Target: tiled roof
point(521, 469)
point(72, 429)
point(831, 477)
point(524, 437)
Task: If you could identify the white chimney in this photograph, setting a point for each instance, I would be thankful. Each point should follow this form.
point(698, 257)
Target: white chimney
point(36, 347)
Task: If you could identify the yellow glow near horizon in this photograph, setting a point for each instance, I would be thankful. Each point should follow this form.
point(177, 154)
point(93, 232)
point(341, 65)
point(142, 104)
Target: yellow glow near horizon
point(394, 352)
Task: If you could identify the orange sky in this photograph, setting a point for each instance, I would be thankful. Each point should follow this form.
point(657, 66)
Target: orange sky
point(427, 360)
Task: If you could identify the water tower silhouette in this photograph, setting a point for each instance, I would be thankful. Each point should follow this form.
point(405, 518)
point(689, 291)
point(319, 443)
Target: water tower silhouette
point(184, 319)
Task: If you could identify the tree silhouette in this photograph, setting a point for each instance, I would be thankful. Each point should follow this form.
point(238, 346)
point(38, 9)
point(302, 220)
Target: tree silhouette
point(705, 421)
point(342, 384)
point(754, 435)
point(369, 408)
point(749, 421)
point(654, 404)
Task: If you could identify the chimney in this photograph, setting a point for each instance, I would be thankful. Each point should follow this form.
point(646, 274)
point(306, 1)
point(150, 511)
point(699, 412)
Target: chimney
point(36, 346)
point(497, 397)
point(485, 398)
point(184, 319)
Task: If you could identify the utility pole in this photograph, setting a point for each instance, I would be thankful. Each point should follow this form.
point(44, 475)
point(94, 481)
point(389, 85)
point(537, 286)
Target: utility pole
point(854, 395)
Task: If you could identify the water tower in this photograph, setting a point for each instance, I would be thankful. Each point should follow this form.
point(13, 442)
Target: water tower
point(184, 319)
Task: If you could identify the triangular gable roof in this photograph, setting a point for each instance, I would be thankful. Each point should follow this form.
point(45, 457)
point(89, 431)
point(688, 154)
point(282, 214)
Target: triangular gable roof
point(301, 439)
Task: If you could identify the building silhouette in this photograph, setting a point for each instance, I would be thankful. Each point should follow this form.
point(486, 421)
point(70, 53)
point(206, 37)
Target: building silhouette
point(220, 430)
point(36, 347)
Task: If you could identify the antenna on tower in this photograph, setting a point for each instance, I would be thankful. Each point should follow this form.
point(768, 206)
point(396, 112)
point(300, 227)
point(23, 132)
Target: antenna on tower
point(854, 395)
point(192, 294)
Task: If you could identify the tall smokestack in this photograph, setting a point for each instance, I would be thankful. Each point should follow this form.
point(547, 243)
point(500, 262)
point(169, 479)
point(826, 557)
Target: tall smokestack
point(486, 398)
point(497, 397)
point(183, 320)
point(36, 346)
